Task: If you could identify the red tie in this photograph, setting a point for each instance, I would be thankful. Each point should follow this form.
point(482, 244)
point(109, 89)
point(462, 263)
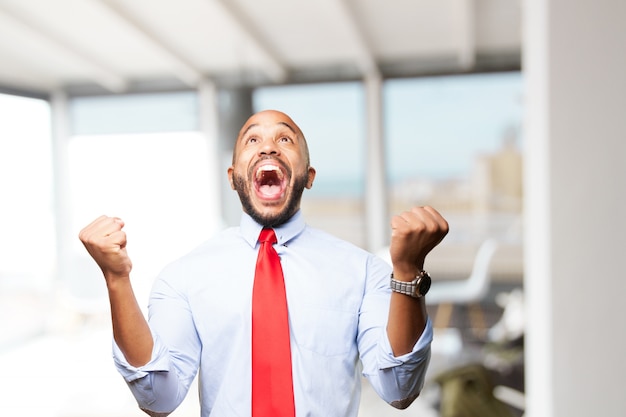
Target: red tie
point(272, 385)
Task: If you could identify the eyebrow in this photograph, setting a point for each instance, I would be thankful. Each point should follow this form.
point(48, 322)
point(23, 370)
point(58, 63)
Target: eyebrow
point(280, 123)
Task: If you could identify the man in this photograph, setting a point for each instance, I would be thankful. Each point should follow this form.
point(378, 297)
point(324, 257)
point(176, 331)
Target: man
point(344, 320)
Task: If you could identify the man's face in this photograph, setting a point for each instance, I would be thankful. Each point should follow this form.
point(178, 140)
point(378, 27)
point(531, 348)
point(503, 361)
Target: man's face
point(270, 167)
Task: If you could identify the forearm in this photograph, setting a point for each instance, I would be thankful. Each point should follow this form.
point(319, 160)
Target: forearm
point(130, 328)
point(407, 320)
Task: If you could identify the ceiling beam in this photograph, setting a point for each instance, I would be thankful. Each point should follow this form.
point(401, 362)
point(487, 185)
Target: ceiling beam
point(365, 59)
point(102, 75)
point(14, 90)
point(277, 71)
point(185, 71)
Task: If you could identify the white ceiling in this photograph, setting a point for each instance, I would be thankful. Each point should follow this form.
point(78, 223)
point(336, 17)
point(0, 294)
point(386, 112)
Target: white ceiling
point(95, 46)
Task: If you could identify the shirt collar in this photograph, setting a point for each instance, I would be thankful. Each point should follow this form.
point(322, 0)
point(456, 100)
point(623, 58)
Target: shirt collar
point(250, 229)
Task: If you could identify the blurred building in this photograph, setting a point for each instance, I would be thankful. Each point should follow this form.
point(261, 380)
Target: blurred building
point(497, 178)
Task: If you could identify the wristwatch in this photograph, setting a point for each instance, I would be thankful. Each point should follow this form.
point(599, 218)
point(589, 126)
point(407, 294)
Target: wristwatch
point(416, 288)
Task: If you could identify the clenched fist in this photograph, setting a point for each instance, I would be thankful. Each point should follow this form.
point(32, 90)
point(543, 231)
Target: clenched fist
point(413, 235)
point(105, 241)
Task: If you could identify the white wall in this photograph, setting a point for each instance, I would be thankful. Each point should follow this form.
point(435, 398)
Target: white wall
point(575, 173)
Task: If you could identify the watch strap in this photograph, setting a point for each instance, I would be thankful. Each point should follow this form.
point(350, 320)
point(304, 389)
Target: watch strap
point(410, 288)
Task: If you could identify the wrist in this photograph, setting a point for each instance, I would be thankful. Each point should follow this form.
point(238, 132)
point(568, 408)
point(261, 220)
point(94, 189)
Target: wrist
point(407, 272)
point(115, 281)
point(404, 275)
point(416, 287)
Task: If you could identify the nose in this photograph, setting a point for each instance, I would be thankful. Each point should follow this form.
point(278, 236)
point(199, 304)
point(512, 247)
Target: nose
point(268, 147)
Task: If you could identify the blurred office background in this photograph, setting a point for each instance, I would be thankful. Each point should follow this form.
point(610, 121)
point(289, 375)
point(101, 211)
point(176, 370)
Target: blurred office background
point(504, 115)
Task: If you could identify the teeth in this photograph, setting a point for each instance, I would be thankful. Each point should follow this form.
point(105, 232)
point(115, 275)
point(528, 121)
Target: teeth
point(266, 168)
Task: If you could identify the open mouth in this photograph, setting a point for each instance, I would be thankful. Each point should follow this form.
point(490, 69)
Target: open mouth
point(269, 182)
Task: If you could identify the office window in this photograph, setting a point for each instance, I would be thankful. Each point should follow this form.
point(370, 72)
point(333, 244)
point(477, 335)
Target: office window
point(455, 143)
point(27, 246)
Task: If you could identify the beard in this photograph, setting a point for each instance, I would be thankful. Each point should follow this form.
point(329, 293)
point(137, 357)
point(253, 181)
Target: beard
point(271, 220)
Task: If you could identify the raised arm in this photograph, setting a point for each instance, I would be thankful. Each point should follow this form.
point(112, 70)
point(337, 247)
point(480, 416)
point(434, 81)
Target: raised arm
point(414, 234)
point(105, 241)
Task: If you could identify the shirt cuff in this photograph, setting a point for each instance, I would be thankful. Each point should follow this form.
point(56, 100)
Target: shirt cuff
point(420, 352)
point(159, 361)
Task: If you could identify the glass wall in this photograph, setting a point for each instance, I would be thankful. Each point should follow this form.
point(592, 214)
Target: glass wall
point(451, 142)
point(455, 143)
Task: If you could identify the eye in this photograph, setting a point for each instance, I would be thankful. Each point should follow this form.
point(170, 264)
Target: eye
point(251, 139)
point(285, 139)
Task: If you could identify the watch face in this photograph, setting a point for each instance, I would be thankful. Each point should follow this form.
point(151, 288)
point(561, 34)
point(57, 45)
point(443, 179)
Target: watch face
point(424, 284)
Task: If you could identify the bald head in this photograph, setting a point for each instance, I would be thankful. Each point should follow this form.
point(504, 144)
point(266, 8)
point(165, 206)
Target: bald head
point(267, 119)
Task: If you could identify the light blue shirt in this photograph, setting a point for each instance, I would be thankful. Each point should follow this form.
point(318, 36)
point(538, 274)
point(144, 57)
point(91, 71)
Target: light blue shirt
point(338, 299)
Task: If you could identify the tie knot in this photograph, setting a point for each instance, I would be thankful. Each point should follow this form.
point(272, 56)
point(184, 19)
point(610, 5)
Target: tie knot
point(267, 235)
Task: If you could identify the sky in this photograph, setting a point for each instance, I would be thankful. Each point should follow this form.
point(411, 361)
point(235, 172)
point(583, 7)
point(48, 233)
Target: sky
point(445, 121)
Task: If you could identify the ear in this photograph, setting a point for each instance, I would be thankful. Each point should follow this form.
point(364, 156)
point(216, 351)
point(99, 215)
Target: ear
point(230, 176)
point(309, 183)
